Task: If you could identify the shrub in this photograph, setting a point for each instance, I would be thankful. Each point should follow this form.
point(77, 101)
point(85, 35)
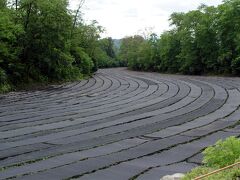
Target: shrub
point(3, 76)
point(221, 154)
point(82, 60)
point(4, 86)
point(236, 66)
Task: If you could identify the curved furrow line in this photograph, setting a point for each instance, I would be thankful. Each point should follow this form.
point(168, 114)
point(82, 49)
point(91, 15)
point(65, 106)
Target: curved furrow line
point(138, 122)
point(116, 86)
point(50, 91)
point(227, 110)
point(48, 120)
point(55, 96)
point(52, 115)
point(90, 83)
point(118, 125)
point(137, 165)
point(133, 86)
point(20, 109)
point(57, 108)
point(24, 95)
point(60, 105)
point(15, 132)
point(140, 160)
point(49, 102)
point(25, 130)
point(138, 92)
point(121, 169)
point(142, 88)
point(74, 122)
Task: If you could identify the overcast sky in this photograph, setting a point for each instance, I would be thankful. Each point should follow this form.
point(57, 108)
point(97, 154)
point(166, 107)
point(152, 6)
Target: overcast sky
point(127, 17)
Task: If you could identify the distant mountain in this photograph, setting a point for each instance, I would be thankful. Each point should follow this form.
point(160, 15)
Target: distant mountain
point(117, 43)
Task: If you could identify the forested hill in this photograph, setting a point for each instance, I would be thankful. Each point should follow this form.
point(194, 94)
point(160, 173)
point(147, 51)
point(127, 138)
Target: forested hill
point(203, 41)
point(44, 41)
point(117, 43)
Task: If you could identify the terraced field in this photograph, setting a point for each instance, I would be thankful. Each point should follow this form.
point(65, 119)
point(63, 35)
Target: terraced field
point(117, 125)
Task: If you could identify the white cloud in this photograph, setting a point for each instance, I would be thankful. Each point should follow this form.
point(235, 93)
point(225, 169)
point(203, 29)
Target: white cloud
point(127, 17)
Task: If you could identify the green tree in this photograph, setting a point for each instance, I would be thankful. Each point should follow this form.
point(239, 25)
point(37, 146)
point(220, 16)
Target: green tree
point(169, 49)
point(86, 37)
point(228, 27)
point(129, 51)
point(10, 32)
point(186, 25)
point(46, 43)
point(42, 40)
point(106, 54)
point(201, 41)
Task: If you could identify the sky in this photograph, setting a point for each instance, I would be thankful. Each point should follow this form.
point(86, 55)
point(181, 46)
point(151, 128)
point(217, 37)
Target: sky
point(122, 18)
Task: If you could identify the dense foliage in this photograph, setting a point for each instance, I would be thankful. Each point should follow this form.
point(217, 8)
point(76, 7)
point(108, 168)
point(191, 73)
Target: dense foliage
point(223, 153)
point(107, 54)
point(202, 41)
point(42, 41)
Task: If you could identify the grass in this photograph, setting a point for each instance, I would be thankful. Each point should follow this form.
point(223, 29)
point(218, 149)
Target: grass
point(222, 154)
point(4, 88)
point(230, 174)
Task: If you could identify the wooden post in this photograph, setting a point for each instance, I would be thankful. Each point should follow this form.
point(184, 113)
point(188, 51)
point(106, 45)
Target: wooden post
point(219, 170)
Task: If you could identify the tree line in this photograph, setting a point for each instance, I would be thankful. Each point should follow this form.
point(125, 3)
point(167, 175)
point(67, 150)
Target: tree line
point(45, 41)
point(202, 41)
